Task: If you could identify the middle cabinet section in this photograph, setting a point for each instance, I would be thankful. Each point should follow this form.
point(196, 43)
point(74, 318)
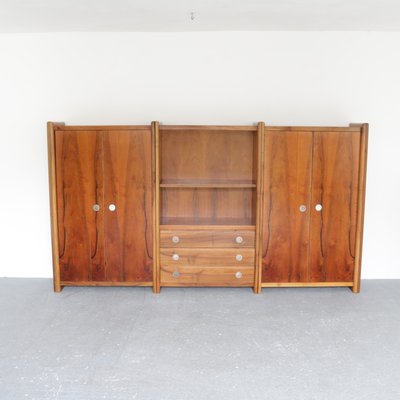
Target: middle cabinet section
point(208, 205)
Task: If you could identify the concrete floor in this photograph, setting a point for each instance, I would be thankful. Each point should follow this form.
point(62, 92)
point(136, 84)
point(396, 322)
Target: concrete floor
point(192, 344)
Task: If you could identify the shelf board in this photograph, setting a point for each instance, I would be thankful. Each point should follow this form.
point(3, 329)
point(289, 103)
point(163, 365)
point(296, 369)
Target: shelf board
point(209, 184)
point(200, 223)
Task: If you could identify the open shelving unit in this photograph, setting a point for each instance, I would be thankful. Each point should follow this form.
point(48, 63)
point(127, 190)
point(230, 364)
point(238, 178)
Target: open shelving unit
point(208, 175)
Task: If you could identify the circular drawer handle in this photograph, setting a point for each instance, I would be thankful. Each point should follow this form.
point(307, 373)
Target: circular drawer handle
point(96, 207)
point(175, 257)
point(239, 240)
point(175, 239)
point(239, 257)
point(238, 275)
point(303, 208)
point(318, 207)
point(176, 274)
point(112, 207)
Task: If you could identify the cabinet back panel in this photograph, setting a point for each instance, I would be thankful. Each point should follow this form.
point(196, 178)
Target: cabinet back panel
point(207, 155)
point(335, 187)
point(212, 206)
point(79, 181)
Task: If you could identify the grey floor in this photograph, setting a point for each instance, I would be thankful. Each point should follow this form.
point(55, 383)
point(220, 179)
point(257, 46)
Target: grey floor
point(127, 343)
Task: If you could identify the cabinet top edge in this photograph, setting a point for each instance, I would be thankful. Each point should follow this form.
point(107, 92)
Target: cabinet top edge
point(100, 127)
point(242, 128)
point(209, 127)
point(314, 128)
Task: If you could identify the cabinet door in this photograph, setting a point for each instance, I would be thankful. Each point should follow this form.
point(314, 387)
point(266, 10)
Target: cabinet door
point(79, 178)
point(128, 187)
point(285, 227)
point(334, 188)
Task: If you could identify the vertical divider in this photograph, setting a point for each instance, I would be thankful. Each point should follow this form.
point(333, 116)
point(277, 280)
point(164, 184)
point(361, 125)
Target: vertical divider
point(155, 129)
point(362, 175)
point(53, 203)
point(259, 212)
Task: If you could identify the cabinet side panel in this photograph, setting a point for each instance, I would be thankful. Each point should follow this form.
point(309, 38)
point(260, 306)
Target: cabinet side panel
point(287, 183)
point(128, 186)
point(335, 186)
point(79, 173)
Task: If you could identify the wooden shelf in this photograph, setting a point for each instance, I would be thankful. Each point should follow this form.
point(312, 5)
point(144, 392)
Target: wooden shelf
point(242, 223)
point(213, 185)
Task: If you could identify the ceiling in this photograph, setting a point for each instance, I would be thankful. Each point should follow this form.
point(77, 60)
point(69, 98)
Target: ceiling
point(200, 15)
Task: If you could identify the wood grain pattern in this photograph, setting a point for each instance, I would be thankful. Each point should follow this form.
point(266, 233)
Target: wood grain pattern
point(207, 276)
point(79, 176)
point(287, 184)
point(335, 187)
point(207, 238)
point(206, 257)
point(362, 179)
point(128, 185)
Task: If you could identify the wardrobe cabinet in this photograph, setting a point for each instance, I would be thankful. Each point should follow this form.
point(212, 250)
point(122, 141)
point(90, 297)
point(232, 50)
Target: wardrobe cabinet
point(311, 200)
point(102, 205)
point(245, 206)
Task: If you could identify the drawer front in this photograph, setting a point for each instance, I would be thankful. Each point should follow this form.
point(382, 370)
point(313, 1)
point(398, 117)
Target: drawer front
point(207, 257)
point(207, 238)
point(207, 276)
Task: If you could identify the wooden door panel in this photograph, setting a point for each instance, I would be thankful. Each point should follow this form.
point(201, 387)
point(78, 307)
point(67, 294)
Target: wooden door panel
point(79, 181)
point(128, 185)
point(335, 186)
point(287, 183)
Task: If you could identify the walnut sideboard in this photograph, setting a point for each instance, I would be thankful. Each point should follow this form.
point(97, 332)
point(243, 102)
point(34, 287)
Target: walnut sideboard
point(251, 206)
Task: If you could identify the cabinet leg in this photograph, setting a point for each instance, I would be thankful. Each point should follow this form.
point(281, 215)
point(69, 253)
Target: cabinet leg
point(355, 288)
point(156, 290)
point(58, 288)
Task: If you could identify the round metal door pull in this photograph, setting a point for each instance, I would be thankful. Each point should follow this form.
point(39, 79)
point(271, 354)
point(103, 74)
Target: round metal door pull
point(176, 274)
point(239, 240)
point(175, 239)
point(239, 257)
point(175, 257)
point(112, 207)
point(303, 208)
point(96, 207)
point(318, 207)
point(238, 275)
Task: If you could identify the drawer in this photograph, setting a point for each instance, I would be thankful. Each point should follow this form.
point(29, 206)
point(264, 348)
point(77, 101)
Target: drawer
point(207, 238)
point(207, 276)
point(207, 257)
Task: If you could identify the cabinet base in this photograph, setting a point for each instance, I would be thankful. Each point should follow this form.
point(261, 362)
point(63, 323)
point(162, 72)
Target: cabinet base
point(101, 283)
point(307, 284)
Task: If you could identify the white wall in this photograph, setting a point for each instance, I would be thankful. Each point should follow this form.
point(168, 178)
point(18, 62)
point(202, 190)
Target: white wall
point(323, 78)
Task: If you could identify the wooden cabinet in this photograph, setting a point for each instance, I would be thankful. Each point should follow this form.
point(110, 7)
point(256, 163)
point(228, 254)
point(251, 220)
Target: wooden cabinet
point(207, 191)
point(103, 206)
point(313, 206)
point(238, 206)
